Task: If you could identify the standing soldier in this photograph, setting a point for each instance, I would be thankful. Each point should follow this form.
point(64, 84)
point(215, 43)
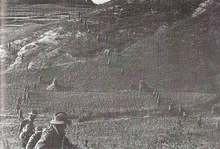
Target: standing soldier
point(199, 121)
point(79, 15)
point(140, 86)
point(19, 100)
point(20, 114)
point(158, 100)
point(54, 136)
point(34, 138)
point(218, 125)
point(122, 71)
point(171, 107)
point(132, 86)
point(27, 128)
point(180, 113)
point(28, 95)
point(184, 116)
point(17, 107)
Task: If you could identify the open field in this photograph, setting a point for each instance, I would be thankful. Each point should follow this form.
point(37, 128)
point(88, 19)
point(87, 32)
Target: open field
point(121, 119)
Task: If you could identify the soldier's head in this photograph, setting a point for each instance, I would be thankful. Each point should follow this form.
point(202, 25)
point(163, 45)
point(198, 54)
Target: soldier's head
point(60, 120)
point(32, 114)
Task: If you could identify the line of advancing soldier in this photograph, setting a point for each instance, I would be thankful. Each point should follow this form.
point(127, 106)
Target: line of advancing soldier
point(52, 137)
point(26, 97)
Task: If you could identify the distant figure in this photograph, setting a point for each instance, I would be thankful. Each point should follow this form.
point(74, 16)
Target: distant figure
point(122, 71)
point(158, 100)
point(18, 107)
point(85, 23)
point(28, 97)
point(79, 15)
point(199, 121)
point(35, 85)
point(54, 137)
point(140, 86)
point(106, 38)
point(218, 125)
point(22, 57)
point(34, 138)
point(24, 97)
point(132, 85)
point(171, 107)
point(154, 92)
point(109, 62)
point(20, 114)
point(9, 46)
point(40, 79)
point(180, 113)
point(184, 116)
point(19, 100)
point(26, 88)
point(27, 128)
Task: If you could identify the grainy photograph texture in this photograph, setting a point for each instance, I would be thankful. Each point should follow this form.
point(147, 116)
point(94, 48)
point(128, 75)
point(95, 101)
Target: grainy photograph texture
point(110, 74)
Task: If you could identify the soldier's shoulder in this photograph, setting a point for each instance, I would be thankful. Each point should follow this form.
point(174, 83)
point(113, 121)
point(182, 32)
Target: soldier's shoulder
point(47, 132)
point(25, 121)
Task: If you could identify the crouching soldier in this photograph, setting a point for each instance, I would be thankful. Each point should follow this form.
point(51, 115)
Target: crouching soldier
point(34, 138)
point(27, 128)
point(54, 136)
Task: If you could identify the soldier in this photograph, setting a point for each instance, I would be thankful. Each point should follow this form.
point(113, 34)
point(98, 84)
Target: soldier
point(171, 107)
point(28, 95)
point(140, 86)
point(79, 15)
point(19, 100)
point(199, 121)
point(109, 62)
point(17, 107)
point(20, 114)
point(35, 85)
point(34, 138)
point(27, 128)
point(184, 116)
point(218, 125)
point(180, 113)
point(122, 71)
point(132, 85)
point(54, 136)
point(158, 100)
point(40, 79)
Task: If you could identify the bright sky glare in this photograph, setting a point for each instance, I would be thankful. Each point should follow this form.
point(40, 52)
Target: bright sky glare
point(100, 1)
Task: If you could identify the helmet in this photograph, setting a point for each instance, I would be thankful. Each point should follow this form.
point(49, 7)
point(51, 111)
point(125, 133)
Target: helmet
point(33, 112)
point(60, 118)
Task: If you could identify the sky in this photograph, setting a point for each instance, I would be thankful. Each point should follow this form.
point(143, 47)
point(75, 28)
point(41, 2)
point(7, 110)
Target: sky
point(100, 1)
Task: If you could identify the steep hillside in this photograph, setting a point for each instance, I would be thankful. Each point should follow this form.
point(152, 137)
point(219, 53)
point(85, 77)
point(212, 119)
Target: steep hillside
point(175, 48)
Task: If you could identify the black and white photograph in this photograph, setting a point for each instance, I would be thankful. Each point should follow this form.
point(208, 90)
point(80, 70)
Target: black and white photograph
point(109, 74)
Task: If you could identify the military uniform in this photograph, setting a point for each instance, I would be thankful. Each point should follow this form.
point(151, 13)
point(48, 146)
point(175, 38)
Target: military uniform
point(34, 138)
point(25, 131)
point(54, 136)
point(27, 128)
point(51, 139)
